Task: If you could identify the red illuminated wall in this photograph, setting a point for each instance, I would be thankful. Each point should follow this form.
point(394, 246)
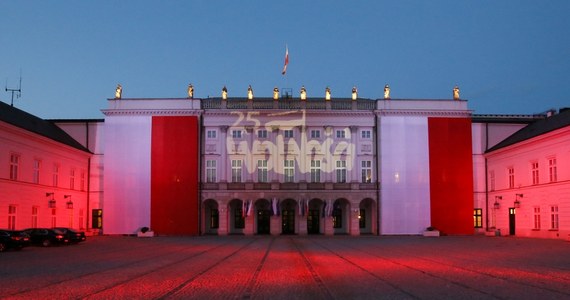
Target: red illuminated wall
point(174, 175)
point(451, 175)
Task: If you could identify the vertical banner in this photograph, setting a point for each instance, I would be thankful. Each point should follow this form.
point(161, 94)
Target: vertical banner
point(174, 175)
point(451, 175)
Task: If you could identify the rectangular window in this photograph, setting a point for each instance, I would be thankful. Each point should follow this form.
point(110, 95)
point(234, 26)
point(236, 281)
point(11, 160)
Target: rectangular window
point(289, 170)
point(55, 177)
point(211, 171)
point(366, 171)
point(341, 134)
point(81, 219)
point(478, 217)
point(70, 218)
point(288, 133)
point(262, 134)
point(12, 217)
point(53, 218)
point(315, 134)
point(35, 210)
point(14, 166)
point(552, 172)
point(315, 171)
point(82, 181)
point(211, 134)
point(534, 167)
point(36, 171)
point(554, 217)
point(537, 217)
point(365, 134)
point(72, 179)
point(511, 172)
point(341, 171)
point(492, 180)
point(236, 134)
point(239, 220)
point(262, 175)
point(236, 170)
point(97, 218)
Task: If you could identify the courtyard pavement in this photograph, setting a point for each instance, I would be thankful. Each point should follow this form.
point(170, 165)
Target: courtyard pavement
point(290, 267)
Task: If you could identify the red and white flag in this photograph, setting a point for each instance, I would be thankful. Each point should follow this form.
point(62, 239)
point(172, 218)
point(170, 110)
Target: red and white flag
point(286, 60)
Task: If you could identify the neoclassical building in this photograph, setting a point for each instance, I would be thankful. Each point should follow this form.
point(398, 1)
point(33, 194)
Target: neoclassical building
point(287, 165)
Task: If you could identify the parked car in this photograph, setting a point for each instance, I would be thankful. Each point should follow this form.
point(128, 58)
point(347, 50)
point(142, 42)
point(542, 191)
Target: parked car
point(47, 236)
point(72, 235)
point(12, 239)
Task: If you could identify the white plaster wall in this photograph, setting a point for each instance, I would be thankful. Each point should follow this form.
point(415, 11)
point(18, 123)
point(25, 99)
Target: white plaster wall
point(127, 174)
point(405, 193)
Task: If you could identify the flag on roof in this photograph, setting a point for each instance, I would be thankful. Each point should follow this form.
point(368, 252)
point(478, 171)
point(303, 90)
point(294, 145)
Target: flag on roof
point(286, 60)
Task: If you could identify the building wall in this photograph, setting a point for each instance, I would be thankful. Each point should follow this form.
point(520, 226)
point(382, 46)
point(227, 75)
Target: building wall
point(542, 195)
point(26, 194)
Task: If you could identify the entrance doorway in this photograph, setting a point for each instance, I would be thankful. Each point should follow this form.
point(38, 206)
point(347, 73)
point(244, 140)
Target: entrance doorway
point(313, 221)
point(512, 221)
point(263, 221)
point(288, 221)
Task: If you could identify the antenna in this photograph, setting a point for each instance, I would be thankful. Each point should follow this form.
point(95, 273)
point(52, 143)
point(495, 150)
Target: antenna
point(18, 91)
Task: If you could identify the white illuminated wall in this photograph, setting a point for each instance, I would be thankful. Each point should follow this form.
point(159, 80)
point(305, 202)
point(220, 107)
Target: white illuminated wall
point(127, 174)
point(404, 160)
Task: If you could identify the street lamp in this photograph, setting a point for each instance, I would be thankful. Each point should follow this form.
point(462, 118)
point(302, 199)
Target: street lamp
point(497, 205)
point(69, 203)
point(517, 203)
point(51, 200)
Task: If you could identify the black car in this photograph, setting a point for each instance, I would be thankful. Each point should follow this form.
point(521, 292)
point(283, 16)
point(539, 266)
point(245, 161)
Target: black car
point(72, 235)
point(12, 239)
point(47, 236)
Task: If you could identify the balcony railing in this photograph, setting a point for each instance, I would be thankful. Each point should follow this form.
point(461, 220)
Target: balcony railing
point(289, 186)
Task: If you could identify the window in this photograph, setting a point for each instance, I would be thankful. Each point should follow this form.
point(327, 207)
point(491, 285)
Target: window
point(554, 217)
point(97, 218)
point(552, 169)
point(14, 166)
point(53, 217)
point(55, 177)
point(492, 180)
point(236, 134)
point(12, 217)
point(210, 171)
point(82, 181)
point(211, 134)
point(36, 171)
point(262, 175)
point(341, 134)
point(534, 167)
point(236, 170)
point(262, 134)
point(511, 172)
point(81, 219)
point(35, 216)
point(341, 171)
point(70, 218)
point(315, 134)
point(315, 171)
point(289, 170)
point(288, 133)
point(365, 134)
point(536, 217)
point(478, 217)
point(72, 179)
point(366, 171)
point(239, 220)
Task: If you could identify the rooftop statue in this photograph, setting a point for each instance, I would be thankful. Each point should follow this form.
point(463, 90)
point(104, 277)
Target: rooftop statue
point(354, 93)
point(386, 92)
point(224, 93)
point(249, 92)
point(456, 93)
point(190, 91)
point(275, 93)
point(303, 93)
point(118, 91)
point(327, 93)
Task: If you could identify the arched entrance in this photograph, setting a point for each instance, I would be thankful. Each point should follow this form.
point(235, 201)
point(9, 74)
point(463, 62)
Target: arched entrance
point(314, 216)
point(236, 217)
point(263, 216)
point(367, 216)
point(211, 217)
point(288, 216)
point(341, 216)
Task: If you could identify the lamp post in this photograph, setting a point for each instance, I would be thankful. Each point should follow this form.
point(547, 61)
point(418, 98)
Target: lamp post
point(517, 203)
point(51, 200)
point(69, 203)
point(497, 205)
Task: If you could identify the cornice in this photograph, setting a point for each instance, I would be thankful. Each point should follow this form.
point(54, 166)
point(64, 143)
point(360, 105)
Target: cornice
point(151, 112)
point(428, 113)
